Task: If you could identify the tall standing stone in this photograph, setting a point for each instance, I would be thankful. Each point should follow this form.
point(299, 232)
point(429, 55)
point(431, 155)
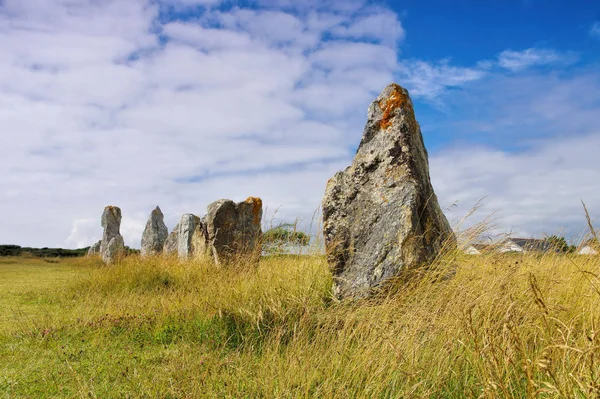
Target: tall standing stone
point(112, 245)
point(381, 215)
point(155, 234)
point(234, 230)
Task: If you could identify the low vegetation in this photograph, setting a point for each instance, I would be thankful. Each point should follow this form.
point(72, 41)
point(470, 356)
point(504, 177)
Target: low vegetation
point(28, 252)
point(16, 250)
point(494, 326)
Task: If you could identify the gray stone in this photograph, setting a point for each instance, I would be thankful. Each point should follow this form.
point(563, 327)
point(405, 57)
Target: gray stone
point(191, 237)
point(112, 245)
point(155, 234)
point(381, 215)
point(94, 249)
point(234, 230)
point(171, 246)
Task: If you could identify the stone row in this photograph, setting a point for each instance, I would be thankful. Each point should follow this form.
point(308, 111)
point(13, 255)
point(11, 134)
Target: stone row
point(230, 232)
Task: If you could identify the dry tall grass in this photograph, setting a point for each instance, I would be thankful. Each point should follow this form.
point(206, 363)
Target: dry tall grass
point(494, 326)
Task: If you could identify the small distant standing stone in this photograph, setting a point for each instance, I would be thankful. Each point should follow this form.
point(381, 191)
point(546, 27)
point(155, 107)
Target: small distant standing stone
point(94, 249)
point(112, 245)
point(155, 234)
point(191, 236)
point(234, 230)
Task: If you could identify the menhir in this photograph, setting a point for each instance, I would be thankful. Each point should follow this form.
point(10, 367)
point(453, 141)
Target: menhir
point(233, 230)
point(112, 245)
point(380, 215)
point(155, 234)
point(229, 233)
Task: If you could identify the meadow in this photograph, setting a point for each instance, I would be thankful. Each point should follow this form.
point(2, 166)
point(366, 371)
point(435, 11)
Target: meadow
point(490, 326)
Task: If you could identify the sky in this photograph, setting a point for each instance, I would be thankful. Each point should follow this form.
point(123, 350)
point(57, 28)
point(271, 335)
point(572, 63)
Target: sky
point(178, 103)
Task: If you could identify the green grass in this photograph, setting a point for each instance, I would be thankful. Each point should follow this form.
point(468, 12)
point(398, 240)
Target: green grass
point(501, 327)
point(25, 287)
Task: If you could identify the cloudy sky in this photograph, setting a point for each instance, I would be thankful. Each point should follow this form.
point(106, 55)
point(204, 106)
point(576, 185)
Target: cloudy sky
point(178, 103)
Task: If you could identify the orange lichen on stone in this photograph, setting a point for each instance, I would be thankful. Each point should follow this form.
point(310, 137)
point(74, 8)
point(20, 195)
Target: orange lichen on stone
point(256, 208)
point(397, 99)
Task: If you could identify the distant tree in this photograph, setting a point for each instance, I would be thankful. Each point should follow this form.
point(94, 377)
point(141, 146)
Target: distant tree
point(10, 250)
point(15, 250)
point(560, 244)
point(131, 251)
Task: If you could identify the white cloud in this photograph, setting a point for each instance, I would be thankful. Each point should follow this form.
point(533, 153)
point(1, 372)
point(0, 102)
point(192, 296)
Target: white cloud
point(97, 111)
point(380, 26)
point(189, 3)
point(430, 80)
point(83, 232)
point(531, 192)
point(519, 60)
point(595, 30)
point(275, 28)
point(540, 159)
point(206, 39)
point(336, 6)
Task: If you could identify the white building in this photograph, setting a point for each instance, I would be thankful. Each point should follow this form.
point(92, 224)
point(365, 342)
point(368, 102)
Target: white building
point(510, 246)
point(471, 250)
point(589, 247)
point(587, 250)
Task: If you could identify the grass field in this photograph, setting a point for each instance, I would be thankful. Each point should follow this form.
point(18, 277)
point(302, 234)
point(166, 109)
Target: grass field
point(511, 326)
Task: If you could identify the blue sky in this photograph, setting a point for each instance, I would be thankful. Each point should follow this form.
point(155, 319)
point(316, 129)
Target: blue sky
point(179, 103)
point(468, 32)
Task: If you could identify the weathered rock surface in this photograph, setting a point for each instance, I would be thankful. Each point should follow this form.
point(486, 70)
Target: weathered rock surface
point(155, 234)
point(381, 215)
point(234, 230)
point(94, 249)
point(112, 245)
point(172, 243)
point(191, 237)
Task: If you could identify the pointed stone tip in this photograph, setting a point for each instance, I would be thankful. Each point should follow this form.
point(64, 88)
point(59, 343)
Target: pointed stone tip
point(393, 87)
point(392, 98)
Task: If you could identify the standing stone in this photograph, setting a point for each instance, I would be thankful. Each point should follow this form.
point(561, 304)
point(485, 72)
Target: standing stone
point(234, 230)
point(112, 245)
point(155, 234)
point(380, 215)
point(94, 249)
point(191, 236)
point(172, 242)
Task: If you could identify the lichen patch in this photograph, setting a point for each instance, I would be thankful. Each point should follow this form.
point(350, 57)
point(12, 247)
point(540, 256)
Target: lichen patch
point(397, 99)
point(256, 208)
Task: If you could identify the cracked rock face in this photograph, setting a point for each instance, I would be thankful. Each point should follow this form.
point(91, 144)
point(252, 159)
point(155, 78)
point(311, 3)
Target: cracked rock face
point(234, 230)
point(191, 236)
point(155, 234)
point(112, 245)
point(381, 215)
